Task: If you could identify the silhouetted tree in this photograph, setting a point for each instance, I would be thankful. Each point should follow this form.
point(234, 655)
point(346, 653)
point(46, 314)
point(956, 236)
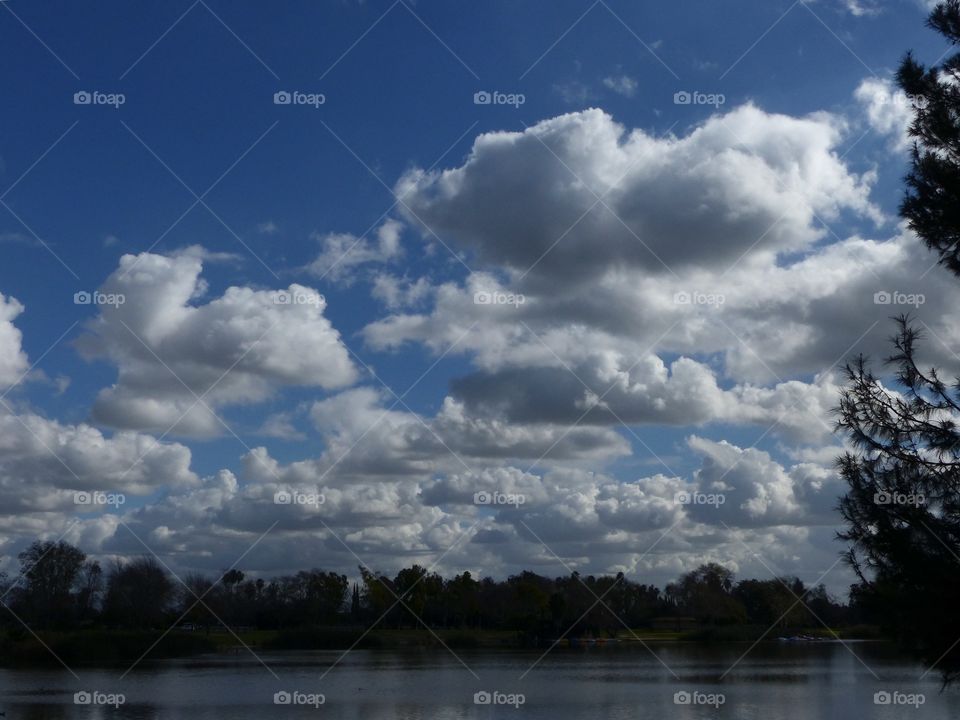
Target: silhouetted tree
point(139, 594)
point(902, 507)
point(932, 203)
point(705, 594)
point(49, 573)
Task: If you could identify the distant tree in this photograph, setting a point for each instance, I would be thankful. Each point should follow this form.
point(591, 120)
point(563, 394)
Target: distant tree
point(139, 593)
point(463, 601)
point(355, 608)
point(705, 593)
point(89, 590)
point(196, 587)
point(378, 593)
point(775, 602)
point(49, 573)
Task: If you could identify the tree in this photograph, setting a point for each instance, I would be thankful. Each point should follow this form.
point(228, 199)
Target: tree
point(902, 506)
point(932, 203)
point(355, 612)
point(139, 594)
point(49, 571)
point(705, 593)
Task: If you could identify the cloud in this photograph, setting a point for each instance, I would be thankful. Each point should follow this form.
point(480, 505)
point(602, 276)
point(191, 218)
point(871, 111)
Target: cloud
point(365, 436)
point(574, 92)
point(281, 425)
point(621, 84)
point(598, 523)
point(888, 110)
point(170, 349)
point(342, 252)
point(13, 359)
point(43, 461)
point(400, 293)
point(745, 322)
point(862, 8)
point(759, 491)
point(539, 201)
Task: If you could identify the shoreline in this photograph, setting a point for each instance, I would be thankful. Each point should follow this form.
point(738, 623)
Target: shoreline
point(110, 647)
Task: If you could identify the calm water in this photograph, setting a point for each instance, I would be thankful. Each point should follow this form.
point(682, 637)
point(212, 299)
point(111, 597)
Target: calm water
point(773, 682)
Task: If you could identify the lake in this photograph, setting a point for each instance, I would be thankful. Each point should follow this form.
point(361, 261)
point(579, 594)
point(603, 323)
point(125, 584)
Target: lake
point(774, 681)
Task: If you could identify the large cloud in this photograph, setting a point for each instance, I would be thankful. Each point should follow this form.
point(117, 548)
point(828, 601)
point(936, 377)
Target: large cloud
point(531, 198)
point(758, 303)
point(179, 359)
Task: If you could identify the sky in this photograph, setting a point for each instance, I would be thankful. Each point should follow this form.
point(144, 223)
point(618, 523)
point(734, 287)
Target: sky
point(493, 286)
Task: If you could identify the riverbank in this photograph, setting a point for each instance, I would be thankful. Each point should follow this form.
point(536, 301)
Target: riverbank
point(111, 647)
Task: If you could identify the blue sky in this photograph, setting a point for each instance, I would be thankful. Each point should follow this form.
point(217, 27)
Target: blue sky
point(84, 185)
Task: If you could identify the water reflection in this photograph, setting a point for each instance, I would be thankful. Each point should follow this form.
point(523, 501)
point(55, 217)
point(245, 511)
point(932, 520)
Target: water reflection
point(823, 681)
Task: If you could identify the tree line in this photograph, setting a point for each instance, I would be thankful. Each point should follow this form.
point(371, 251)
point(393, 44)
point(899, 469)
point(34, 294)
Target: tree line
point(59, 588)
